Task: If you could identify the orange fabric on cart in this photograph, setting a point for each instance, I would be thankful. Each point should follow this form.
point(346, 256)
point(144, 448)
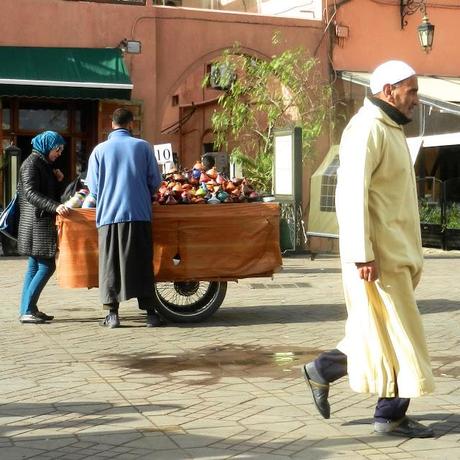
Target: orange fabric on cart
point(77, 260)
point(213, 242)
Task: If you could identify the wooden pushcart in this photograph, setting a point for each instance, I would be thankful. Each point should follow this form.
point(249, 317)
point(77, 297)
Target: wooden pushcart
point(197, 250)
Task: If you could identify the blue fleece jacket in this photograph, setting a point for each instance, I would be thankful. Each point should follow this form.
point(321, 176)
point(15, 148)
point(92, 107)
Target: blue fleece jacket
point(123, 175)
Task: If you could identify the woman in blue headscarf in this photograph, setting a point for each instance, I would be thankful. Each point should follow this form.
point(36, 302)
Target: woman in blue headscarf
point(39, 191)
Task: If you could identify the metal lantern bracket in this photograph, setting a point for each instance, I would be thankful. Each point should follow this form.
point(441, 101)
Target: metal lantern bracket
point(425, 30)
point(409, 7)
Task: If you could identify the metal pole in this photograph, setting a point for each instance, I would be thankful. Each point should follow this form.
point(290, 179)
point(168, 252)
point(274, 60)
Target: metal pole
point(297, 187)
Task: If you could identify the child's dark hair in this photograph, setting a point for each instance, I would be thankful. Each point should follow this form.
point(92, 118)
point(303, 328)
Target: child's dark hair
point(208, 161)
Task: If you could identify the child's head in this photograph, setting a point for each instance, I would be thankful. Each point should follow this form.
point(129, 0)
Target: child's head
point(208, 161)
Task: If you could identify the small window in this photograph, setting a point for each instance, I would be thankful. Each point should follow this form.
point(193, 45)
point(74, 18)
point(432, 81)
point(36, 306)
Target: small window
point(42, 119)
point(168, 2)
point(6, 118)
point(221, 76)
point(175, 100)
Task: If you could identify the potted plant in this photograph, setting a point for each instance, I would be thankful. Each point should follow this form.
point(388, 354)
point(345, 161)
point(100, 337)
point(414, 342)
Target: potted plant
point(452, 230)
point(285, 90)
point(263, 94)
point(431, 224)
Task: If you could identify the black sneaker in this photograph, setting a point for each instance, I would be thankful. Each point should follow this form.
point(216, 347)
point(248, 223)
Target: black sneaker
point(111, 321)
point(44, 316)
point(31, 319)
point(405, 427)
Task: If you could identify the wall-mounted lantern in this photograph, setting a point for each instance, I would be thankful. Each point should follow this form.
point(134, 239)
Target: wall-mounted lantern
point(130, 46)
point(425, 29)
point(426, 34)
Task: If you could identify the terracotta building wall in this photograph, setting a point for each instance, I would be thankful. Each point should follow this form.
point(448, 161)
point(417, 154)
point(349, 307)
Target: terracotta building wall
point(175, 41)
point(375, 36)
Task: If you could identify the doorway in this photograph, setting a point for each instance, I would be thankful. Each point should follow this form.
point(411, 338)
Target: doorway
point(75, 120)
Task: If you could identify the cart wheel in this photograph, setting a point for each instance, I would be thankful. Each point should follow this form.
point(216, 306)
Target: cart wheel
point(189, 301)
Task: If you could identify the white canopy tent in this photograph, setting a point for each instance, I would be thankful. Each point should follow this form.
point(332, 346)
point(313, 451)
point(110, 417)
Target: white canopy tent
point(322, 220)
point(441, 93)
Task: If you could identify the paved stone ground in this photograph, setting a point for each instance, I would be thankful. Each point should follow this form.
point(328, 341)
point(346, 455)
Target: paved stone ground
point(227, 388)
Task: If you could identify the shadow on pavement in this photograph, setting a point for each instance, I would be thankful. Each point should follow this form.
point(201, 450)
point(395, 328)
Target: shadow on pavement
point(311, 271)
point(273, 314)
point(429, 306)
point(441, 423)
point(229, 316)
point(95, 431)
point(447, 256)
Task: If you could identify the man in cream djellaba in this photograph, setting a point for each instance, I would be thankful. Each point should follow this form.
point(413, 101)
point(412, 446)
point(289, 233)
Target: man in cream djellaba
point(384, 350)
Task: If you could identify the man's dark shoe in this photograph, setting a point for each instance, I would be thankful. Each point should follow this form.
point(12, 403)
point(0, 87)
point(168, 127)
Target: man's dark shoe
point(405, 427)
point(44, 316)
point(154, 320)
point(319, 391)
point(111, 321)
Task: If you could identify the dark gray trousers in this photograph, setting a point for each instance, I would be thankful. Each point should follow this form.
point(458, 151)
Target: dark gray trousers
point(332, 365)
point(125, 264)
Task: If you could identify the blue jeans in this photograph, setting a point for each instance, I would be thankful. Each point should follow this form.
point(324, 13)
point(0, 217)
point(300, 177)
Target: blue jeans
point(39, 271)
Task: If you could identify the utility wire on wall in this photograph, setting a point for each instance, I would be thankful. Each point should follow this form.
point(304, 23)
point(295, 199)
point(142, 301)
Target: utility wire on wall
point(174, 128)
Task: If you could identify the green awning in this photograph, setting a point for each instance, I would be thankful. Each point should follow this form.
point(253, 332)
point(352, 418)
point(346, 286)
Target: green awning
point(77, 73)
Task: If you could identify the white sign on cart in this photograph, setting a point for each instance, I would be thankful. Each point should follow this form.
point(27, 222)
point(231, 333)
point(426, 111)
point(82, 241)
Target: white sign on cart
point(164, 156)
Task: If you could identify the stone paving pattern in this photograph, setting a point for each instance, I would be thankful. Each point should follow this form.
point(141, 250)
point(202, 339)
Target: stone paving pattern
point(227, 388)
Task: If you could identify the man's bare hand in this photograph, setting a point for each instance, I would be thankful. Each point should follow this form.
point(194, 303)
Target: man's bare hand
point(367, 270)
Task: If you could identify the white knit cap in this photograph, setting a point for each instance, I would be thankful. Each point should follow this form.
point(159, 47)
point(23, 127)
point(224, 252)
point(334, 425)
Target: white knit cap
point(390, 72)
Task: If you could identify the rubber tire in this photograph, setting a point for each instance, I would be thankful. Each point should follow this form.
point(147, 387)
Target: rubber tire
point(204, 307)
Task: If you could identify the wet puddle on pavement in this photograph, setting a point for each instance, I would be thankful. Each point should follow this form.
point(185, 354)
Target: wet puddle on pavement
point(210, 364)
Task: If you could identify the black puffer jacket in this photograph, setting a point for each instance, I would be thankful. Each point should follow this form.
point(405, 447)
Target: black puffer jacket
point(38, 199)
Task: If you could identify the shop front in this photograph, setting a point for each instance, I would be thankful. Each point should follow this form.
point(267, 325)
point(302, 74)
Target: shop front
point(68, 90)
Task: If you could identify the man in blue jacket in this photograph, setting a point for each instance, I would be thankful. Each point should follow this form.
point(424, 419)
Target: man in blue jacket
point(123, 175)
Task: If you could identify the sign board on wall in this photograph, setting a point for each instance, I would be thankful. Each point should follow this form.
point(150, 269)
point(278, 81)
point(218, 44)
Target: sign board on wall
point(284, 166)
point(287, 177)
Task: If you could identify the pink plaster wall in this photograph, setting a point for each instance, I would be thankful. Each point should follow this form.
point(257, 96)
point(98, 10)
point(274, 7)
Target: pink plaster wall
point(175, 41)
point(375, 36)
point(176, 45)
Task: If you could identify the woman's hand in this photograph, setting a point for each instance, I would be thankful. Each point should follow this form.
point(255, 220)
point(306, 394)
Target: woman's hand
point(58, 174)
point(62, 210)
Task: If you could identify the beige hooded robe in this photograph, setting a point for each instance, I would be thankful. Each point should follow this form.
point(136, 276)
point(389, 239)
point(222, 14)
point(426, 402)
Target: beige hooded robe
point(377, 210)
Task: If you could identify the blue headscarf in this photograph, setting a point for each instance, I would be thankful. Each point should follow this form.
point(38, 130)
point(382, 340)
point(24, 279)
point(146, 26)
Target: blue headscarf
point(47, 141)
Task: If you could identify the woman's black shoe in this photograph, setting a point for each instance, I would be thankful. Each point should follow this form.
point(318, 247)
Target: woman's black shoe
point(44, 316)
